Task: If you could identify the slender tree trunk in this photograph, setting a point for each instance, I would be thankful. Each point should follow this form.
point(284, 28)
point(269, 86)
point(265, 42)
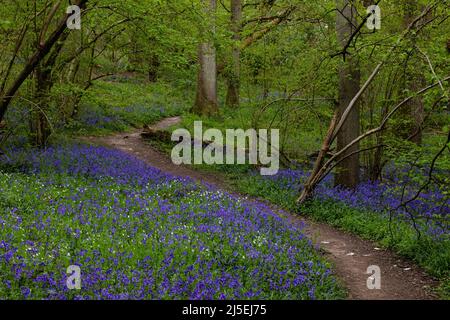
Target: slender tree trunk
point(448, 51)
point(414, 79)
point(39, 126)
point(135, 55)
point(206, 99)
point(234, 76)
point(153, 63)
point(74, 68)
point(376, 169)
point(347, 174)
point(153, 68)
point(417, 110)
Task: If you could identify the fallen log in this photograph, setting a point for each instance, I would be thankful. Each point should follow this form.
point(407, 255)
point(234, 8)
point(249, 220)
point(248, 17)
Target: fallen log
point(160, 135)
point(153, 133)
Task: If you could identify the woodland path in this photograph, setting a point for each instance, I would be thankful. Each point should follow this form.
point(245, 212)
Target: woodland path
point(349, 254)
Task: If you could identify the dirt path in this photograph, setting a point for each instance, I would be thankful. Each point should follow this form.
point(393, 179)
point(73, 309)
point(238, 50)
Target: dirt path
point(350, 255)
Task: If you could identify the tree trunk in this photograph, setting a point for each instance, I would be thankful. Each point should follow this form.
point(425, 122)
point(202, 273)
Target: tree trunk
point(39, 126)
point(234, 76)
point(417, 110)
point(153, 62)
point(376, 168)
point(347, 174)
point(414, 80)
point(153, 68)
point(206, 99)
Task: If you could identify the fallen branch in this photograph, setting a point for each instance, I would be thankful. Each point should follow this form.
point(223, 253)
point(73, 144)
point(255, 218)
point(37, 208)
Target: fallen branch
point(311, 183)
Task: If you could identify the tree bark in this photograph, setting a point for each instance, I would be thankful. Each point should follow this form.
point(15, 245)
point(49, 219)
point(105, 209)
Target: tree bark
point(233, 93)
point(347, 174)
point(206, 99)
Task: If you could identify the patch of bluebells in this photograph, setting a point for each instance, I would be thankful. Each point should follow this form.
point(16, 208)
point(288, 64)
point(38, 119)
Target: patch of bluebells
point(138, 233)
point(431, 210)
point(119, 117)
point(96, 118)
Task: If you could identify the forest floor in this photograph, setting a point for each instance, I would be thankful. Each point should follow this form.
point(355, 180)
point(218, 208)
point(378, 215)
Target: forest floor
point(350, 255)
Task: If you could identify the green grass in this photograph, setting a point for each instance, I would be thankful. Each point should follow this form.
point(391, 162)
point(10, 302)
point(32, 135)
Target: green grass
point(118, 106)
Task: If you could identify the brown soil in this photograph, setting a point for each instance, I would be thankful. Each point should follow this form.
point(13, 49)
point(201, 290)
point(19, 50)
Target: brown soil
point(350, 255)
